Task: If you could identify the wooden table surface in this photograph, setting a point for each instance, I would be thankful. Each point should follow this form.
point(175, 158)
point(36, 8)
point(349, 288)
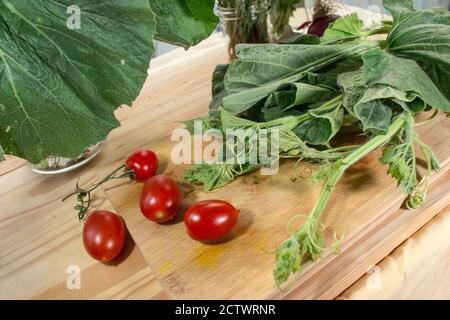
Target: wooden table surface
point(41, 237)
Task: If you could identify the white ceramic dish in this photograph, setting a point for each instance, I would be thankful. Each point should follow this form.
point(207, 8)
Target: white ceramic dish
point(87, 156)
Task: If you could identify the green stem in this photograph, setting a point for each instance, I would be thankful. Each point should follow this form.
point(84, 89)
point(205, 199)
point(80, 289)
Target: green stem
point(351, 159)
point(343, 148)
point(289, 122)
point(308, 240)
point(295, 121)
point(383, 29)
point(419, 194)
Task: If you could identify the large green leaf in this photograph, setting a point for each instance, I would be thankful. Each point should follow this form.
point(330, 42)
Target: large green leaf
point(218, 87)
point(184, 22)
point(424, 36)
point(346, 28)
point(374, 115)
point(290, 102)
point(203, 10)
point(301, 94)
point(324, 124)
point(396, 6)
point(404, 75)
point(401, 158)
point(263, 69)
point(409, 101)
point(58, 86)
point(356, 91)
point(328, 77)
point(353, 86)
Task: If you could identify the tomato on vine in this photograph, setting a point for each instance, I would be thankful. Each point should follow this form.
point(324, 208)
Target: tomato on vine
point(139, 166)
point(143, 164)
point(103, 235)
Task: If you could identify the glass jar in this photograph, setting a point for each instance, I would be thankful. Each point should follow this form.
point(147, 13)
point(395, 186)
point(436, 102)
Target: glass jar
point(244, 21)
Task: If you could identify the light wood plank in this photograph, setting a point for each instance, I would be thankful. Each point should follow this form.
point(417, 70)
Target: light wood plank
point(418, 269)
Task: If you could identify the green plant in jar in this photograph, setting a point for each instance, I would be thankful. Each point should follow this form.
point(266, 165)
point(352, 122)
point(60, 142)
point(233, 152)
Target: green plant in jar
point(244, 21)
point(280, 13)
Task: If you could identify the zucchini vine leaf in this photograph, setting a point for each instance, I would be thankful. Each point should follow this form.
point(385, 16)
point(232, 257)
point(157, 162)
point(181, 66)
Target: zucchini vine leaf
point(218, 86)
point(374, 115)
point(401, 158)
point(287, 260)
point(424, 35)
point(345, 28)
point(266, 68)
point(323, 125)
point(397, 6)
point(216, 175)
point(184, 22)
point(60, 86)
point(207, 122)
point(353, 86)
point(404, 75)
point(60, 83)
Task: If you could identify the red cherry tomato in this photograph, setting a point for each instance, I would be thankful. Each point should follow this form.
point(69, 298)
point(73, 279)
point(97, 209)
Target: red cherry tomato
point(143, 163)
point(103, 235)
point(210, 220)
point(160, 198)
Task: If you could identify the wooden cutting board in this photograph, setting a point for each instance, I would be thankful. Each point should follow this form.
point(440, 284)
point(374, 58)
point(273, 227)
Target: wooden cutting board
point(241, 267)
point(365, 204)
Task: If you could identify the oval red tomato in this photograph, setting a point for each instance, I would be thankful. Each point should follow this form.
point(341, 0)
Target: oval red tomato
point(160, 198)
point(103, 235)
point(144, 164)
point(210, 220)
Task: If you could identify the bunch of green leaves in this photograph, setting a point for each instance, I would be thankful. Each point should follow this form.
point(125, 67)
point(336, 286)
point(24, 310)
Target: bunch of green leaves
point(342, 82)
point(65, 66)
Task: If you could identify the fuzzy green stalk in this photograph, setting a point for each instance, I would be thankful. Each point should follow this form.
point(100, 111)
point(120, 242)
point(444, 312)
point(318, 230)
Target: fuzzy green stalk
point(418, 196)
point(308, 242)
